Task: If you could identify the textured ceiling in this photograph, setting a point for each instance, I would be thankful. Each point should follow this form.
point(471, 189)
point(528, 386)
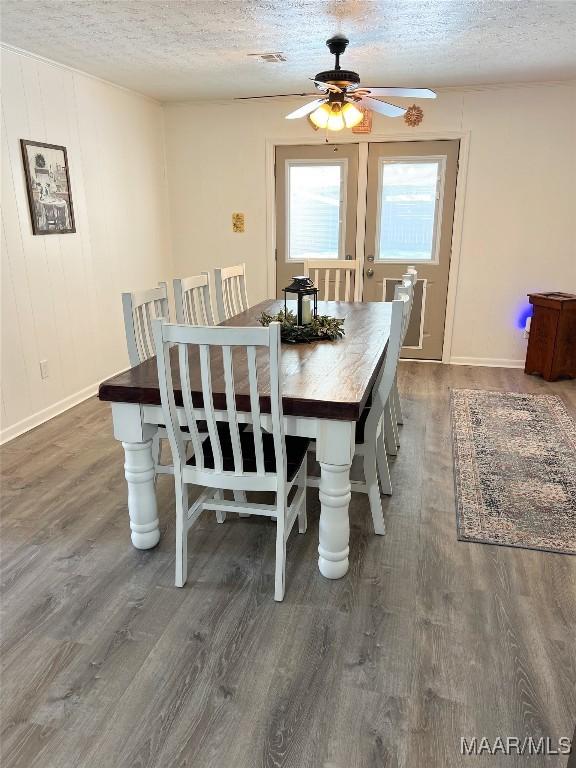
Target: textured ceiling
point(179, 50)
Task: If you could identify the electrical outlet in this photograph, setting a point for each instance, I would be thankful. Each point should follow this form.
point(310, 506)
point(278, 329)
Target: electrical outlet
point(44, 369)
point(527, 327)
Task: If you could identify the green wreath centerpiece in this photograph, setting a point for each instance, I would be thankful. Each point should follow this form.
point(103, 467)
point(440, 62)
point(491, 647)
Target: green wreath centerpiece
point(321, 328)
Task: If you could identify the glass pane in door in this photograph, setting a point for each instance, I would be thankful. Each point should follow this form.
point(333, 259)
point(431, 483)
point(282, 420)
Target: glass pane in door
point(314, 210)
point(409, 204)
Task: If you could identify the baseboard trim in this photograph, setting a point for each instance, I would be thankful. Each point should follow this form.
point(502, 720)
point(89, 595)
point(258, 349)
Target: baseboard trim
point(488, 362)
point(30, 422)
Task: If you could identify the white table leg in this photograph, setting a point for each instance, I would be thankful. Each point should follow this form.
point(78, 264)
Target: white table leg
point(139, 473)
point(334, 450)
point(137, 437)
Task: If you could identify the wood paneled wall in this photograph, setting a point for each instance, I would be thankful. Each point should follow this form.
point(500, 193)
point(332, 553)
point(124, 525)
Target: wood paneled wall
point(61, 293)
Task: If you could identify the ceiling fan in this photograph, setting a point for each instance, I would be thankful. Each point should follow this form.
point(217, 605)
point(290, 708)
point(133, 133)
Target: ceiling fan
point(342, 93)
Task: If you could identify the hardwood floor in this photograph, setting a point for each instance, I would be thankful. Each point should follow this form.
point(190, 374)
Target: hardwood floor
point(106, 664)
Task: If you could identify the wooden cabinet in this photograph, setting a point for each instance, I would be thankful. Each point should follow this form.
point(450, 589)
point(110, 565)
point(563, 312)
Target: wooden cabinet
point(552, 340)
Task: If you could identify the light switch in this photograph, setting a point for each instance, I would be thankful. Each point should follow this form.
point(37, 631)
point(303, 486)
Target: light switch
point(237, 222)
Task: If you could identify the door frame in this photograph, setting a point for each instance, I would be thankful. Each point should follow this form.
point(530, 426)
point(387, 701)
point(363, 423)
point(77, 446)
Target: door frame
point(363, 141)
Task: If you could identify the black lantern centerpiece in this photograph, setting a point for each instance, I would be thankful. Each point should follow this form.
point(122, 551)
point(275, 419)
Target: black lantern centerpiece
point(301, 287)
point(306, 325)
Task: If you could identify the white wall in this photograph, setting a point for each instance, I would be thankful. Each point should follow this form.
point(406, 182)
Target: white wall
point(61, 293)
point(519, 225)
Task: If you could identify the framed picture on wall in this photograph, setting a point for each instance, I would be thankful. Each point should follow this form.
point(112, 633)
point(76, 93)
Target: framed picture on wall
point(48, 187)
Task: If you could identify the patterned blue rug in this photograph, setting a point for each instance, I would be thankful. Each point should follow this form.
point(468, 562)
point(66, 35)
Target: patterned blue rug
point(515, 470)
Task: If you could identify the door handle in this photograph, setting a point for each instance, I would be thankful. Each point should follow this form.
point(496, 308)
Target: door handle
point(369, 272)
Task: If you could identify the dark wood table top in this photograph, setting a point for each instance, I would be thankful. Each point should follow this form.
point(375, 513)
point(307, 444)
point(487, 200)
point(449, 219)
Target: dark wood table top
point(330, 379)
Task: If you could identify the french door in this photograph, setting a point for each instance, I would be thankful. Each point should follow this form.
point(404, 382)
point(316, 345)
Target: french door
point(410, 194)
point(409, 215)
point(316, 201)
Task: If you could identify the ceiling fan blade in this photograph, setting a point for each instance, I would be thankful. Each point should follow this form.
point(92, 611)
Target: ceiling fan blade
point(306, 109)
point(327, 86)
point(383, 107)
point(401, 93)
point(272, 96)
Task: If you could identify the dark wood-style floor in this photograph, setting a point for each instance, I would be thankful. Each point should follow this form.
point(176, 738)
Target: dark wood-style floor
point(106, 664)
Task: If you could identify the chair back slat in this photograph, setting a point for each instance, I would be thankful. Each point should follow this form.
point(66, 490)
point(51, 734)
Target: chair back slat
point(191, 307)
point(236, 348)
point(322, 270)
point(208, 400)
point(148, 312)
point(337, 284)
point(186, 386)
point(326, 296)
point(167, 396)
point(348, 280)
point(139, 323)
point(407, 287)
point(140, 308)
point(232, 286)
point(231, 408)
point(231, 292)
point(193, 300)
point(404, 291)
point(276, 403)
point(206, 302)
point(227, 289)
point(255, 408)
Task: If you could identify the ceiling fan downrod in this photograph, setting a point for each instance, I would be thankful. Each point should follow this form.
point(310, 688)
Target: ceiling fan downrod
point(337, 45)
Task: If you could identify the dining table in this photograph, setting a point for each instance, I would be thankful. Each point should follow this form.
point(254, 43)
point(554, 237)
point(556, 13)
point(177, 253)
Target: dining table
point(325, 387)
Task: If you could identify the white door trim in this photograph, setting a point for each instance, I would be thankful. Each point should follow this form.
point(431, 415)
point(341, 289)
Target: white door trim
point(363, 141)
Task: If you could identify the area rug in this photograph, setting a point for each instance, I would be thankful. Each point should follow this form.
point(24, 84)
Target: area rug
point(515, 470)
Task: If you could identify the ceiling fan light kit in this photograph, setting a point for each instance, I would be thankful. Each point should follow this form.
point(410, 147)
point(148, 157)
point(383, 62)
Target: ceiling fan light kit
point(335, 117)
point(343, 96)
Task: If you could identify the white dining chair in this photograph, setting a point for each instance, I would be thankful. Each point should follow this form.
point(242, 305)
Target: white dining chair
point(370, 442)
point(231, 292)
point(193, 300)
point(229, 459)
point(140, 308)
point(193, 303)
point(397, 417)
point(345, 274)
point(370, 427)
point(404, 291)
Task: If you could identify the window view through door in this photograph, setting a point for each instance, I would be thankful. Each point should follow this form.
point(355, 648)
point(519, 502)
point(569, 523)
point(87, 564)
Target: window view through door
point(409, 205)
point(316, 193)
point(315, 199)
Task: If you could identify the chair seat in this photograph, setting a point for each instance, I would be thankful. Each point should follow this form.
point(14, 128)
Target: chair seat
point(296, 448)
point(202, 427)
point(361, 425)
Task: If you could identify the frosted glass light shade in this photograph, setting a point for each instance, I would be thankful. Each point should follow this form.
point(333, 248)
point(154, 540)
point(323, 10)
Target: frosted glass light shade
point(352, 115)
point(320, 116)
point(336, 121)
